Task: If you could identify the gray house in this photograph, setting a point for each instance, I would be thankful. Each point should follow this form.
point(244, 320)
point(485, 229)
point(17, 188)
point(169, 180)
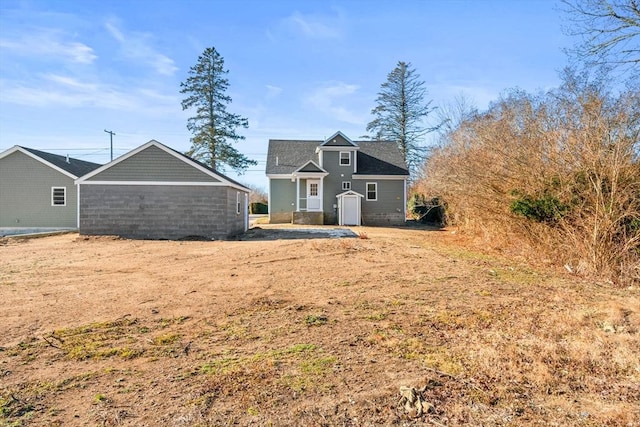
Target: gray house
point(155, 192)
point(336, 181)
point(37, 188)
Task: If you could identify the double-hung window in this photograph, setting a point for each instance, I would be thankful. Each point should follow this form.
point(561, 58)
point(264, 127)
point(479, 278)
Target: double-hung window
point(58, 196)
point(372, 191)
point(345, 158)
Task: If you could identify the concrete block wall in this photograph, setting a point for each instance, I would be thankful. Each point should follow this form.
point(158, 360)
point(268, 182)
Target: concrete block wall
point(382, 219)
point(157, 212)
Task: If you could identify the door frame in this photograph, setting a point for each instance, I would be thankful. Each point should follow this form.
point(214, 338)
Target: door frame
point(317, 197)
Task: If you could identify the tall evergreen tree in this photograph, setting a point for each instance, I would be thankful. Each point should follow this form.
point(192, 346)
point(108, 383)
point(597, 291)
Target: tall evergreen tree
point(400, 113)
point(213, 127)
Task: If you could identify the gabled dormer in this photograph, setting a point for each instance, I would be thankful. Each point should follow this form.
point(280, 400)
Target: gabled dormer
point(309, 170)
point(346, 148)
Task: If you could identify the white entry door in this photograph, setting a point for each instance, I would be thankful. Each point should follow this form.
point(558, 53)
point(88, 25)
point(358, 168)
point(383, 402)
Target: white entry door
point(313, 195)
point(350, 210)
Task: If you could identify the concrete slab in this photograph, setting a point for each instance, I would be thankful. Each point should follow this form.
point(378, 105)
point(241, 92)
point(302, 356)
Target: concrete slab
point(28, 231)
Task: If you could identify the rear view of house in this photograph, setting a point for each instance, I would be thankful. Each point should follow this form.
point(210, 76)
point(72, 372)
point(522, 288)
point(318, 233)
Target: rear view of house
point(336, 181)
point(155, 192)
point(37, 188)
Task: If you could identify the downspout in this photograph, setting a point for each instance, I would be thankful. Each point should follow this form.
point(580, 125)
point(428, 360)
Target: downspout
point(405, 200)
point(78, 207)
point(269, 201)
point(246, 211)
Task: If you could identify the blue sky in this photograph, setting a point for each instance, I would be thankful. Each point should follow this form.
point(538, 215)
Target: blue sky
point(297, 69)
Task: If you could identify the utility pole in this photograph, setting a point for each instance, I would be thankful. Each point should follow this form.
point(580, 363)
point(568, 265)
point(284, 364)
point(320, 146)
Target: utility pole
point(111, 133)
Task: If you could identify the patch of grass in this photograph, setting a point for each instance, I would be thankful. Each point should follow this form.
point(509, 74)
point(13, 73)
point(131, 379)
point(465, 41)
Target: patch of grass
point(166, 339)
point(98, 398)
point(315, 320)
point(377, 316)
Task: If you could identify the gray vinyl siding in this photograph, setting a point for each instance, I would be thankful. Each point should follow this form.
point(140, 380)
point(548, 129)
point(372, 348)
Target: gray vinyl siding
point(388, 209)
point(283, 198)
point(25, 194)
point(153, 164)
point(160, 212)
point(333, 182)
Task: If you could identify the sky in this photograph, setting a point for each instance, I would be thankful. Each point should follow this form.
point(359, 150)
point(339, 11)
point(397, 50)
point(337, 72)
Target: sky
point(72, 69)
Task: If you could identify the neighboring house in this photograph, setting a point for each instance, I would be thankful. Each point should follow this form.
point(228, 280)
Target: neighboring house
point(336, 181)
point(37, 188)
point(155, 192)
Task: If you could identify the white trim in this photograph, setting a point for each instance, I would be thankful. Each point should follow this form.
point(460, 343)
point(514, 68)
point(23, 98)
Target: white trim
point(348, 153)
point(349, 185)
point(404, 198)
point(153, 142)
point(78, 206)
point(320, 157)
point(269, 199)
point(297, 194)
point(168, 183)
point(279, 175)
point(35, 157)
point(349, 195)
point(339, 133)
point(318, 195)
point(64, 196)
point(246, 211)
point(366, 192)
point(381, 177)
point(337, 148)
point(305, 165)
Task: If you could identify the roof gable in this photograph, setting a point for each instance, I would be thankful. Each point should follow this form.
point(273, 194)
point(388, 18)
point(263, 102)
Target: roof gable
point(68, 166)
point(155, 162)
point(338, 139)
point(311, 167)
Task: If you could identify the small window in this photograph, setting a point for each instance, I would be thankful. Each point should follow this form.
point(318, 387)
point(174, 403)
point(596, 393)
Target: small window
point(238, 204)
point(346, 185)
point(313, 189)
point(58, 196)
point(372, 191)
point(345, 158)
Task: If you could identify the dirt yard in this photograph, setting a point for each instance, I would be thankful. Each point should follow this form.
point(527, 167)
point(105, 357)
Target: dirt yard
point(390, 327)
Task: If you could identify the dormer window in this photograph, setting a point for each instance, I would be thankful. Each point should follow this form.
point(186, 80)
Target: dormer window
point(345, 158)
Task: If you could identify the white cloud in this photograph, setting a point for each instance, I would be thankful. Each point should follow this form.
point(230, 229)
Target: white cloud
point(319, 27)
point(273, 91)
point(330, 100)
point(54, 90)
point(50, 43)
point(137, 46)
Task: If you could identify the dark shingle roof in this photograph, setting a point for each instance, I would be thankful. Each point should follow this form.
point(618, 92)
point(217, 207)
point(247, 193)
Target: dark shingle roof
point(286, 156)
point(374, 157)
point(73, 166)
point(380, 158)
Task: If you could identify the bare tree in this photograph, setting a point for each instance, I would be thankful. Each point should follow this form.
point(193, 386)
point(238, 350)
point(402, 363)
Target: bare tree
point(558, 168)
point(609, 31)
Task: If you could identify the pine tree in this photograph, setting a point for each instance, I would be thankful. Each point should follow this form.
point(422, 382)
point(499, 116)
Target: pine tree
point(400, 113)
point(213, 127)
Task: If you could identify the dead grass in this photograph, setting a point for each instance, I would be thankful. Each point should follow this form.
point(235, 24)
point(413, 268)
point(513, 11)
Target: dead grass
point(308, 332)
